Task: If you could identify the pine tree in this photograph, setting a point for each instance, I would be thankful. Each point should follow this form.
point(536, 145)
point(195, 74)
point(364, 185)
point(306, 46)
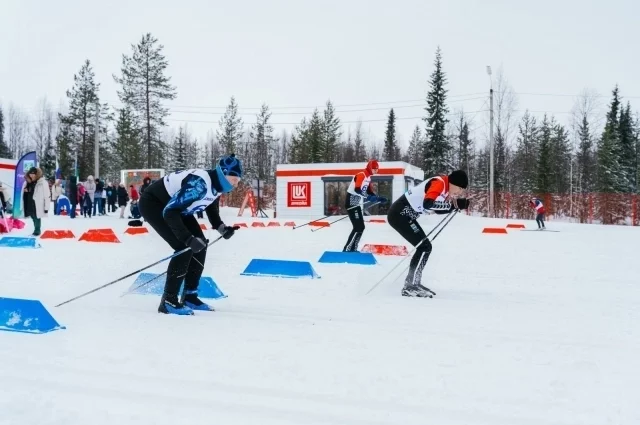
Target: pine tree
point(178, 151)
point(480, 179)
point(314, 138)
point(560, 158)
point(48, 159)
point(464, 146)
point(544, 170)
point(299, 150)
point(43, 130)
point(358, 144)
point(348, 150)
point(374, 151)
point(284, 148)
point(84, 106)
point(4, 149)
point(414, 153)
point(263, 143)
point(144, 86)
point(636, 133)
point(437, 147)
point(65, 141)
point(500, 172)
point(585, 159)
point(213, 151)
point(627, 151)
point(391, 149)
point(608, 164)
point(527, 154)
point(330, 134)
point(231, 128)
point(127, 148)
point(585, 168)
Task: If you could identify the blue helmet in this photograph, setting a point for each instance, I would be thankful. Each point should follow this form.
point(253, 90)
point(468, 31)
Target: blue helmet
point(230, 165)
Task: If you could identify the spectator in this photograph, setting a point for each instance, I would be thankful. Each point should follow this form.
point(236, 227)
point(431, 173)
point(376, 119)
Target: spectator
point(145, 184)
point(134, 193)
point(36, 197)
point(5, 198)
point(74, 197)
point(123, 198)
point(90, 187)
point(56, 191)
point(112, 196)
point(103, 202)
point(97, 198)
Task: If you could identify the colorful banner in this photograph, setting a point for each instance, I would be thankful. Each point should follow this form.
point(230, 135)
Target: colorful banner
point(27, 161)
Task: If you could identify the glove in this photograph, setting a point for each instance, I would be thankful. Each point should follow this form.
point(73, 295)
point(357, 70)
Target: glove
point(197, 244)
point(376, 198)
point(462, 203)
point(227, 231)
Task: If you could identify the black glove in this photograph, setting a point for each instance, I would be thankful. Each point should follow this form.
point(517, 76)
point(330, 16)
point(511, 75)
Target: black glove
point(227, 231)
point(197, 244)
point(462, 203)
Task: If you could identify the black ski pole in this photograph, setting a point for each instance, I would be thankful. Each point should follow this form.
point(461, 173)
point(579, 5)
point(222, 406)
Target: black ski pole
point(445, 225)
point(335, 221)
point(450, 217)
point(175, 254)
point(322, 218)
point(450, 214)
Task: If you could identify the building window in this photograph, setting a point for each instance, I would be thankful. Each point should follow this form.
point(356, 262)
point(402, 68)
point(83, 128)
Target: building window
point(382, 187)
point(335, 195)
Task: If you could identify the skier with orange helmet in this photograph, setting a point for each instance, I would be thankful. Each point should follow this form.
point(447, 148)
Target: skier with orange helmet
point(358, 192)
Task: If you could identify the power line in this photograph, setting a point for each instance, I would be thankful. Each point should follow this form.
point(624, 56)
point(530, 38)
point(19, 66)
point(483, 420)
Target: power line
point(342, 122)
point(572, 95)
point(392, 102)
point(420, 105)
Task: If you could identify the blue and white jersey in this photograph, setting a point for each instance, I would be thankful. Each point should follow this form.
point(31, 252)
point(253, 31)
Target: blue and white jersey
point(190, 191)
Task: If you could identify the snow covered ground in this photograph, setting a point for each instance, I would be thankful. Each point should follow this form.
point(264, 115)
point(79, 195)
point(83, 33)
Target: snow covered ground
point(528, 328)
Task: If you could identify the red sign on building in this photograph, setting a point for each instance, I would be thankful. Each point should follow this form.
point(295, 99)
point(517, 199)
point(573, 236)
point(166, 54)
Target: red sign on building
point(298, 194)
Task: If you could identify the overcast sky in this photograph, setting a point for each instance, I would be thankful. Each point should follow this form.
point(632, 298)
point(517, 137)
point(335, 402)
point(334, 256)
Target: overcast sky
point(301, 53)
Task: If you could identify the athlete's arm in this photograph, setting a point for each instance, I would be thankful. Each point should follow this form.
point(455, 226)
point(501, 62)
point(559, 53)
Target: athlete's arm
point(193, 189)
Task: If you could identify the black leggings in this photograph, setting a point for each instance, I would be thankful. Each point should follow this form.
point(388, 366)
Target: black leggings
point(540, 220)
point(355, 215)
point(183, 266)
point(409, 229)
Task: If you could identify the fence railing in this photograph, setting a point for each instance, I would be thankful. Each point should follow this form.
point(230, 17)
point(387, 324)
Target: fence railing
point(601, 208)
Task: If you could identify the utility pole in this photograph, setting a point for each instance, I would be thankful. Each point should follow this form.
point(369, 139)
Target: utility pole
point(96, 149)
point(491, 160)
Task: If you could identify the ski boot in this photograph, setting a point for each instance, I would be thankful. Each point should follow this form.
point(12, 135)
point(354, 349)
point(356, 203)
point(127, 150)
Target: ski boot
point(190, 299)
point(169, 305)
point(417, 291)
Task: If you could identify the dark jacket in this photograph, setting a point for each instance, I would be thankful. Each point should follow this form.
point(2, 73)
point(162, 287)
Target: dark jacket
point(145, 184)
point(173, 215)
point(123, 196)
point(27, 196)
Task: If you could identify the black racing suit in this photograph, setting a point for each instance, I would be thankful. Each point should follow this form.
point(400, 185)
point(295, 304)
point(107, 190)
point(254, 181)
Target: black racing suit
point(176, 229)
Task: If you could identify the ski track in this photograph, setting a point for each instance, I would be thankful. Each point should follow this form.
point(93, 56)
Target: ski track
point(525, 329)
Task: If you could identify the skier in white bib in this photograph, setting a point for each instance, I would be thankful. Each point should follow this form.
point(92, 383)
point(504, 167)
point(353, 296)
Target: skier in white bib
point(436, 194)
point(168, 205)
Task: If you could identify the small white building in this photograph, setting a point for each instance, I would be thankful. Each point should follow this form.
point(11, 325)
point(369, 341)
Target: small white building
point(316, 190)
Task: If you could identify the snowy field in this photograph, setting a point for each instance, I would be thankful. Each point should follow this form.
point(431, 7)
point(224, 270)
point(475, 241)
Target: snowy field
point(530, 328)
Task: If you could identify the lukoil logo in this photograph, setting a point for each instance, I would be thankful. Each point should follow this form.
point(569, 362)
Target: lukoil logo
point(299, 194)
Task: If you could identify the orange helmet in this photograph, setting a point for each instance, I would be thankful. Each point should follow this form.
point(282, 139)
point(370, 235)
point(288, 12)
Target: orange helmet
point(372, 165)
